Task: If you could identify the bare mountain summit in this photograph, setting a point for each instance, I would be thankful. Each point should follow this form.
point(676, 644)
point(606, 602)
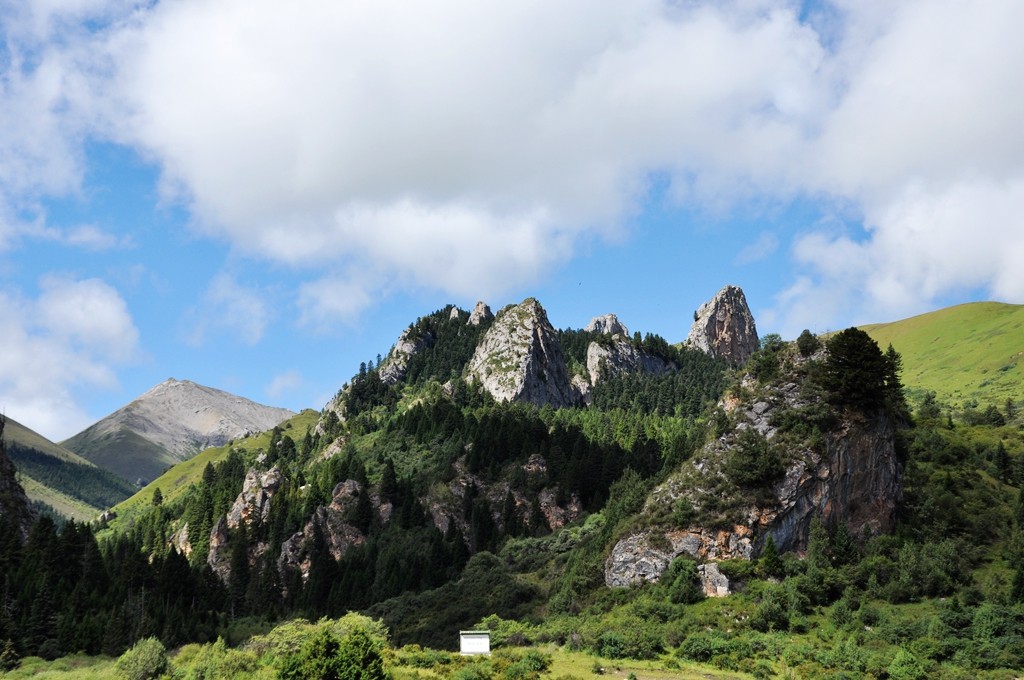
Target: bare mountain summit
point(168, 424)
point(519, 359)
point(724, 327)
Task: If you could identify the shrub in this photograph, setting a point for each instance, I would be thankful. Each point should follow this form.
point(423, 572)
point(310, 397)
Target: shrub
point(146, 659)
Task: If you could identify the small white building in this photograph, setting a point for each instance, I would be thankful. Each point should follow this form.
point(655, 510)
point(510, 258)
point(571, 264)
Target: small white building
point(473, 642)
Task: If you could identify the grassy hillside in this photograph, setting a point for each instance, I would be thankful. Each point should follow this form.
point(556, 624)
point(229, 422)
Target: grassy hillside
point(973, 351)
point(16, 433)
point(51, 474)
point(124, 452)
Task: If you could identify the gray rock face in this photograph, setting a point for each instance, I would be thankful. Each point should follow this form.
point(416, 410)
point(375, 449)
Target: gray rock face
point(608, 324)
point(724, 327)
point(607, 360)
point(253, 504)
point(480, 314)
point(330, 522)
point(409, 343)
point(645, 556)
point(519, 359)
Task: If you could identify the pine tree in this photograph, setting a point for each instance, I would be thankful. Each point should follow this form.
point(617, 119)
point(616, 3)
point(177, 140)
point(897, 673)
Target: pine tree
point(771, 564)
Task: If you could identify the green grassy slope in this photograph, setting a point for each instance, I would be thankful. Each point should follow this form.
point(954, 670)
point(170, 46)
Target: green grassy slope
point(51, 474)
point(16, 433)
point(970, 351)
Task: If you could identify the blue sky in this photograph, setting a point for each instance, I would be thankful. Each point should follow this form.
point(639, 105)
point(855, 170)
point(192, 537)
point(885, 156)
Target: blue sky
point(257, 196)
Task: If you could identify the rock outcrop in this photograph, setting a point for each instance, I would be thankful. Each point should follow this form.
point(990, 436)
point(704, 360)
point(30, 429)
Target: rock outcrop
point(251, 508)
point(607, 324)
point(724, 327)
point(253, 504)
point(519, 359)
point(331, 524)
point(850, 474)
point(409, 343)
point(480, 314)
point(618, 356)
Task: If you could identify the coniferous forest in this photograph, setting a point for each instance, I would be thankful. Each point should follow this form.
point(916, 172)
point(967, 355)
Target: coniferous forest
point(543, 494)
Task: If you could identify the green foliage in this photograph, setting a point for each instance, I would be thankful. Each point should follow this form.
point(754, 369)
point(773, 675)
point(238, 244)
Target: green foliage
point(807, 343)
point(855, 371)
point(323, 655)
point(753, 462)
point(683, 582)
point(146, 659)
point(92, 485)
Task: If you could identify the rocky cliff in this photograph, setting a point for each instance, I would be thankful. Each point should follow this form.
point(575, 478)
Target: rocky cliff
point(409, 343)
point(839, 466)
point(618, 356)
point(519, 359)
point(724, 327)
point(168, 424)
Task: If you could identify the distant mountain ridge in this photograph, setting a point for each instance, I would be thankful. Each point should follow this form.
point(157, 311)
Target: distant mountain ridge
point(170, 423)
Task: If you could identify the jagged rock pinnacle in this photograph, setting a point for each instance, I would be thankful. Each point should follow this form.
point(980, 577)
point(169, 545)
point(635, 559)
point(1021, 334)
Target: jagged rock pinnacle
point(724, 327)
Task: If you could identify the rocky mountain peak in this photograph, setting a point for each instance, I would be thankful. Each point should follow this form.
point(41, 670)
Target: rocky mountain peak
point(480, 314)
point(519, 358)
point(170, 423)
point(608, 324)
point(724, 327)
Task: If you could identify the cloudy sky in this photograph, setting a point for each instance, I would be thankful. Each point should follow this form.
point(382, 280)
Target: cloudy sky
point(258, 195)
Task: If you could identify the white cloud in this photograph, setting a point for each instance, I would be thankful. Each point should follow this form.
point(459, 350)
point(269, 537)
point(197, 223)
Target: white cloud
point(55, 347)
point(228, 307)
point(471, 147)
point(764, 247)
point(284, 383)
point(331, 299)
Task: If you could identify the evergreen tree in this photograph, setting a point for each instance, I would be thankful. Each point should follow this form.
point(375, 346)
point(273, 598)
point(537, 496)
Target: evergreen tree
point(770, 563)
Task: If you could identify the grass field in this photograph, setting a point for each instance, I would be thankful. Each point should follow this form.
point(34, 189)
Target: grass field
point(973, 351)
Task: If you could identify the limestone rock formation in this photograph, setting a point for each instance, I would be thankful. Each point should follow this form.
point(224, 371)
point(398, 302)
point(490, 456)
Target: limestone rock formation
point(609, 359)
point(253, 504)
point(480, 314)
point(850, 474)
point(519, 359)
point(607, 324)
point(331, 522)
point(409, 343)
point(724, 327)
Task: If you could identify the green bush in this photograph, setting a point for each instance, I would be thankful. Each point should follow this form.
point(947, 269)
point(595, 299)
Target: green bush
point(146, 659)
